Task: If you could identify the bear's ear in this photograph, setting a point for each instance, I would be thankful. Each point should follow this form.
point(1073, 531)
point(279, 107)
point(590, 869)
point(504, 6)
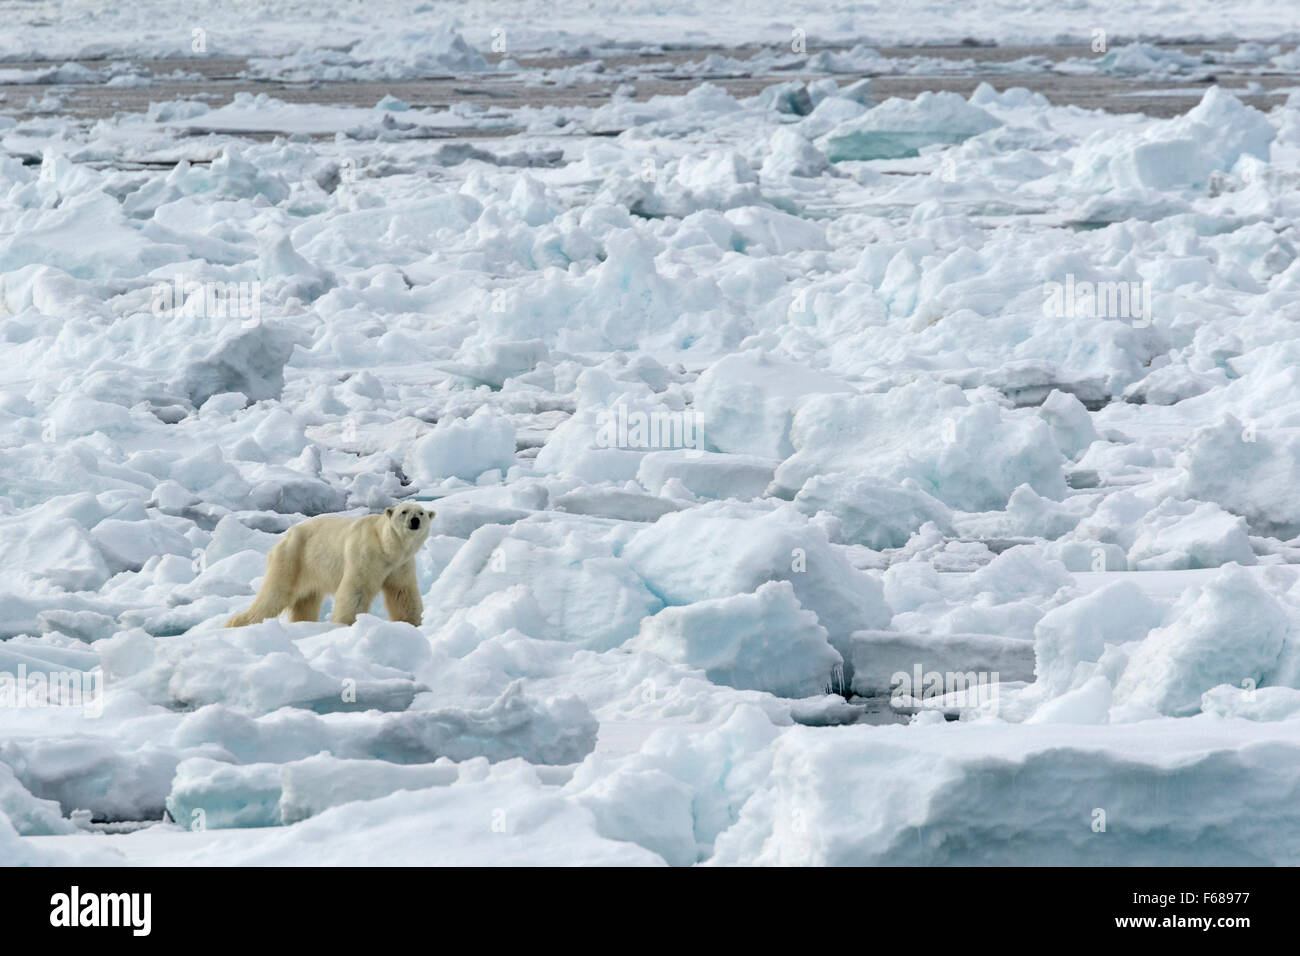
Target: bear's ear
point(388, 512)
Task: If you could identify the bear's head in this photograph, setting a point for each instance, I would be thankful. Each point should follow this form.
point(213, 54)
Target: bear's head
point(411, 522)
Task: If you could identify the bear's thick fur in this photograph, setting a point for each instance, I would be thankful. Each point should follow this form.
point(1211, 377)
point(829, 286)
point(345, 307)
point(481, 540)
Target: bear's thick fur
point(351, 558)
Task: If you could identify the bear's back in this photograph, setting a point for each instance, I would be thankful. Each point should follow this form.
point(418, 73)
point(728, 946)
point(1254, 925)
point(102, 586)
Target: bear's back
point(321, 538)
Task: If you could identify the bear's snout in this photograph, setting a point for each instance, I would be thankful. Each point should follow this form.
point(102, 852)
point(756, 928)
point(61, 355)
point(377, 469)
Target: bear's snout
point(415, 524)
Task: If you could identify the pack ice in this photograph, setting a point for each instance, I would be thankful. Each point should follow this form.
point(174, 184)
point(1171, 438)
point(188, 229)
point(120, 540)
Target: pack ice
point(817, 482)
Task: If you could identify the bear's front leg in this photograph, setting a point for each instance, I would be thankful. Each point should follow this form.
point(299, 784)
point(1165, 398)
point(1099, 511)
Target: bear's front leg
point(353, 597)
point(402, 595)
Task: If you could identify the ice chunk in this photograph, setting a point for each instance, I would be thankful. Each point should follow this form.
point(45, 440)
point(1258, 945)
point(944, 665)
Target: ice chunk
point(29, 815)
point(1188, 534)
point(711, 180)
point(874, 512)
point(16, 851)
point(494, 363)
point(830, 113)
point(790, 98)
point(213, 794)
point(607, 443)
point(1170, 384)
point(56, 548)
point(249, 360)
point(722, 549)
point(1251, 473)
point(968, 454)
point(792, 155)
point(746, 402)
point(464, 448)
point(1079, 630)
point(113, 779)
point(1089, 703)
point(555, 730)
point(707, 474)
point(83, 625)
point(313, 785)
point(1071, 425)
point(1027, 514)
point(948, 783)
point(760, 230)
point(719, 767)
point(503, 814)
point(1142, 58)
point(223, 795)
point(1086, 554)
point(1228, 632)
point(614, 503)
point(898, 128)
point(1178, 153)
point(127, 545)
point(760, 641)
point(650, 808)
point(412, 50)
point(87, 236)
point(1252, 703)
point(551, 580)
point(1006, 596)
point(256, 668)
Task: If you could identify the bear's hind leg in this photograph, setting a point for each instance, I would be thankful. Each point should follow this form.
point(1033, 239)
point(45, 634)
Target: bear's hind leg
point(275, 594)
point(306, 608)
point(402, 596)
point(268, 603)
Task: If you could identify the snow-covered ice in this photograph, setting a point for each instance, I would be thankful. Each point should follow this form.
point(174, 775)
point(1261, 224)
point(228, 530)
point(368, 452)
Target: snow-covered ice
point(818, 479)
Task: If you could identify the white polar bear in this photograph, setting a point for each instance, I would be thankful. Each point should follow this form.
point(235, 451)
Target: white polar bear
point(351, 558)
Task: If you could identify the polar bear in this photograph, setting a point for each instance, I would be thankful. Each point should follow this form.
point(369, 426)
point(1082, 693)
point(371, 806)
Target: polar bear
point(351, 558)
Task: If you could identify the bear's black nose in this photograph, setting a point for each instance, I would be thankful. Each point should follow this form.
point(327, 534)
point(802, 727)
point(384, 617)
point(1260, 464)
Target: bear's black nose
point(415, 524)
